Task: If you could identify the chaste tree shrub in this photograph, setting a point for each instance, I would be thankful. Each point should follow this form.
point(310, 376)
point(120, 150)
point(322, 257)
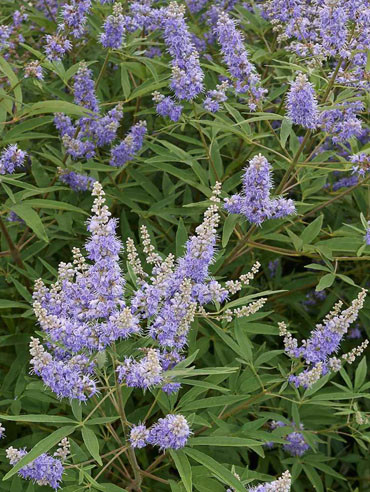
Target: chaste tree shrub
point(184, 245)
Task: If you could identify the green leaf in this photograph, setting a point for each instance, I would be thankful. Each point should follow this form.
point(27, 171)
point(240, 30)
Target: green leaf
point(55, 106)
point(92, 443)
point(325, 282)
point(214, 401)
point(361, 372)
point(32, 219)
point(228, 228)
point(184, 468)
point(286, 128)
point(224, 441)
point(181, 237)
point(216, 468)
point(53, 205)
point(47, 419)
point(312, 230)
point(76, 409)
point(13, 81)
point(41, 447)
point(111, 487)
point(5, 304)
point(314, 477)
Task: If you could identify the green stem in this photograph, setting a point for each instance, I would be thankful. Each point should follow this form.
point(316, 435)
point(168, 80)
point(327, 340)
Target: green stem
point(293, 163)
point(130, 452)
point(102, 70)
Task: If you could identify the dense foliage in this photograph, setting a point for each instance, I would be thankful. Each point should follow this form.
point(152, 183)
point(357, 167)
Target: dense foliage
point(185, 236)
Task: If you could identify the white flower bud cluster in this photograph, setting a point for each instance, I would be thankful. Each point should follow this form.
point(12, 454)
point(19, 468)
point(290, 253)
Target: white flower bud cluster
point(234, 286)
point(134, 259)
point(40, 358)
point(149, 249)
point(79, 260)
point(99, 209)
point(334, 364)
point(14, 455)
point(356, 352)
point(47, 322)
point(290, 343)
point(242, 312)
point(179, 426)
point(309, 378)
point(216, 192)
point(66, 271)
point(63, 449)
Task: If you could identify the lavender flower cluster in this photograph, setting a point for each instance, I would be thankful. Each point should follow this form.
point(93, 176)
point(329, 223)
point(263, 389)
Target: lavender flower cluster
point(84, 311)
point(295, 442)
point(255, 202)
point(94, 131)
point(45, 469)
point(11, 158)
point(317, 352)
point(170, 432)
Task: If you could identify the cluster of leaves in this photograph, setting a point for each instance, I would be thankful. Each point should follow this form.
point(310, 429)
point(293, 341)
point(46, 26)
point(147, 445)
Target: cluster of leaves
point(234, 381)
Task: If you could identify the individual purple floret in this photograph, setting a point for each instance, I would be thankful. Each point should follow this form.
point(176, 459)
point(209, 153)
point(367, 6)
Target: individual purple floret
point(74, 15)
point(56, 46)
point(170, 432)
point(44, 470)
point(11, 158)
point(84, 89)
point(345, 182)
point(215, 97)
point(282, 484)
point(5, 33)
point(78, 182)
point(113, 29)
point(313, 297)
point(367, 235)
point(235, 57)
point(166, 106)
point(273, 267)
point(302, 103)
point(153, 52)
point(2, 431)
point(138, 436)
point(18, 17)
point(126, 150)
point(13, 217)
point(361, 163)
point(295, 443)
point(355, 332)
point(255, 202)
point(33, 69)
